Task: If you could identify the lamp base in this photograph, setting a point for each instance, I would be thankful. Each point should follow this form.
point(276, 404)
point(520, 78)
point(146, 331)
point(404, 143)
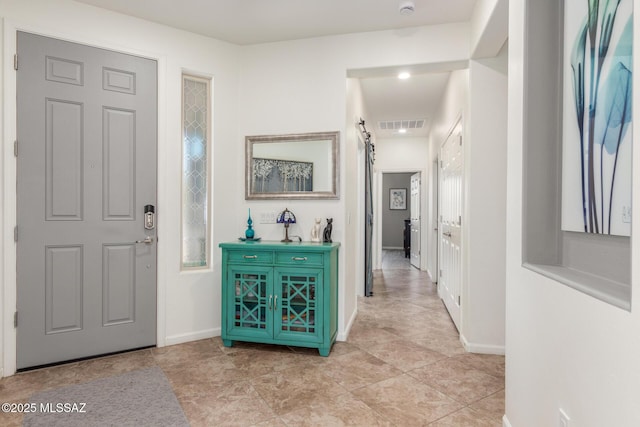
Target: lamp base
point(286, 233)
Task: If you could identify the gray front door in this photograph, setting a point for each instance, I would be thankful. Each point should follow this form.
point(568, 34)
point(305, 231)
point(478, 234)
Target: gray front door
point(86, 169)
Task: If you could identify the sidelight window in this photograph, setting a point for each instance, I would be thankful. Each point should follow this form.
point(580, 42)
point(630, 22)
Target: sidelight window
point(196, 149)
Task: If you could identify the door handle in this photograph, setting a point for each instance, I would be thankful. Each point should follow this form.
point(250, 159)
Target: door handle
point(448, 234)
point(147, 240)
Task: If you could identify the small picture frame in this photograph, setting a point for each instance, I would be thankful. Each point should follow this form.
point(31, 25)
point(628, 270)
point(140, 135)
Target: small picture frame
point(398, 198)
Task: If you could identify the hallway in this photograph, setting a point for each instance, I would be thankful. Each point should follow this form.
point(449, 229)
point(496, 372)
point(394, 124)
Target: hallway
point(403, 365)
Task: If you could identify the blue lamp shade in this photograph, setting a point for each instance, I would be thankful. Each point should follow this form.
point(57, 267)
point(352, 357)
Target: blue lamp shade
point(286, 217)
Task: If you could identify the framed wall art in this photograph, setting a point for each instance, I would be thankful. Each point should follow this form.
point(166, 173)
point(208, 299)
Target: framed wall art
point(398, 198)
point(597, 125)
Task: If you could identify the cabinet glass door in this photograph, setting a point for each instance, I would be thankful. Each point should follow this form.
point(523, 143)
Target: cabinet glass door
point(298, 311)
point(251, 301)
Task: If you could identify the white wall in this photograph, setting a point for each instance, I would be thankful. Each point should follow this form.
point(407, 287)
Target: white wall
point(565, 349)
point(188, 303)
point(354, 194)
point(483, 292)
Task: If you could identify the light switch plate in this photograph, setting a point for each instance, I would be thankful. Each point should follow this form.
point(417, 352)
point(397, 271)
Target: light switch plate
point(268, 217)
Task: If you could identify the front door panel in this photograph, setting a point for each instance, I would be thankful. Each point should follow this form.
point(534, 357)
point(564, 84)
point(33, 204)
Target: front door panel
point(87, 121)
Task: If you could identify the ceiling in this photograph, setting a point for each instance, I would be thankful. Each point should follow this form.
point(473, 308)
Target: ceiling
point(246, 22)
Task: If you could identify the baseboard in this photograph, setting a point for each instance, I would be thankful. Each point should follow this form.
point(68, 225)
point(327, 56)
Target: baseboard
point(431, 276)
point(482, 348)
point(505, 421)
point(344, 335)
point(193, 336)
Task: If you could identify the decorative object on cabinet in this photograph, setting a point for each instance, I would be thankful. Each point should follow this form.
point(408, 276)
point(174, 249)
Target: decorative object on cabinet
point(398, 198)
point(280, 293)
point(326, 235)
point(286, 217)
point(250, 231)
point(293, 166)
point(315, 231)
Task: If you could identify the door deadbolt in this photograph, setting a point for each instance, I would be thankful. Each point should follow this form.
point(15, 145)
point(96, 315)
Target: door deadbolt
point(149, 217)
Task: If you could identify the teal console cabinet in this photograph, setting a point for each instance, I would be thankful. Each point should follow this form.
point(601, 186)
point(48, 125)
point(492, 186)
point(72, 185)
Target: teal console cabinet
point(280, 293)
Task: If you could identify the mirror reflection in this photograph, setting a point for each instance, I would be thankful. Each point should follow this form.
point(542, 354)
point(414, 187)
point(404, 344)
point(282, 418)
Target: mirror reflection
point(297, 166)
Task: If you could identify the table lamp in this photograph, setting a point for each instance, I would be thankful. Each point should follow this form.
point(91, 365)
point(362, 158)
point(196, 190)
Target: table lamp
point(286, 217)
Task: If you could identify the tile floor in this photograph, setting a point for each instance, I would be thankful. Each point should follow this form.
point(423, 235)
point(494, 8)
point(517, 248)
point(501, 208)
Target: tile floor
point(402, 365)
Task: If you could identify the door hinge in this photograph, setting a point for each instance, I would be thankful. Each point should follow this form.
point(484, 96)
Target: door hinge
point(440, 272)
point(458, 299)
point(460, 140)
point(459, 219)
point(15, 233)
point(15, 148)
point(441, 164)
point(15, 319)
point(15, 62)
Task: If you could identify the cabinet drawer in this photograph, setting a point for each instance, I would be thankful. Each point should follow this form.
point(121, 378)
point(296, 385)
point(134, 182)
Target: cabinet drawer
point(251, 257)
point(299, 258)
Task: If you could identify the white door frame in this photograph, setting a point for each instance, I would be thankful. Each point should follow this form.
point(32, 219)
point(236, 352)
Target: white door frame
point(377, 216)
point(8, 182)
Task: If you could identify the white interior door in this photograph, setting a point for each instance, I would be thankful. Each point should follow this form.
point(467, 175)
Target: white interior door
point(415, 220)
point(450, 225)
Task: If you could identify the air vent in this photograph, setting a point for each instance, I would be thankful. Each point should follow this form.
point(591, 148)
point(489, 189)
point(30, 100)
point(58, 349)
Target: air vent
point(402, 124)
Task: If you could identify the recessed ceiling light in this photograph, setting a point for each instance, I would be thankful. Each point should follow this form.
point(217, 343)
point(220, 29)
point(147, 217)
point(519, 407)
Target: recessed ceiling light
point(402, 131)
point(404, 75)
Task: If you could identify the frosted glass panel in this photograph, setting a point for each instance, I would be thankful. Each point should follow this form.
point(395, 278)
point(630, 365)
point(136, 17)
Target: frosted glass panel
point(195, 194)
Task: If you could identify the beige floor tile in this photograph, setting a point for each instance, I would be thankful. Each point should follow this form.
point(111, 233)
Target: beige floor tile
point(465, 417)
point(273, 422)
point(298, 387)
point(185, 353)
point(203, 376)
point(11, 419)
point(404, 354)
point(405, 401)
point(362, 335)
point(489, 363)
point(258, 362)
point(458, 381)
point(491, 406)
point(102, 367)
point(236, 405)
point(335, 411)
point(358, 369)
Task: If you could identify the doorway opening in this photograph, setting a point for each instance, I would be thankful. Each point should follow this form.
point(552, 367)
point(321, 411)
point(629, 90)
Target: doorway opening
point(399, 220)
